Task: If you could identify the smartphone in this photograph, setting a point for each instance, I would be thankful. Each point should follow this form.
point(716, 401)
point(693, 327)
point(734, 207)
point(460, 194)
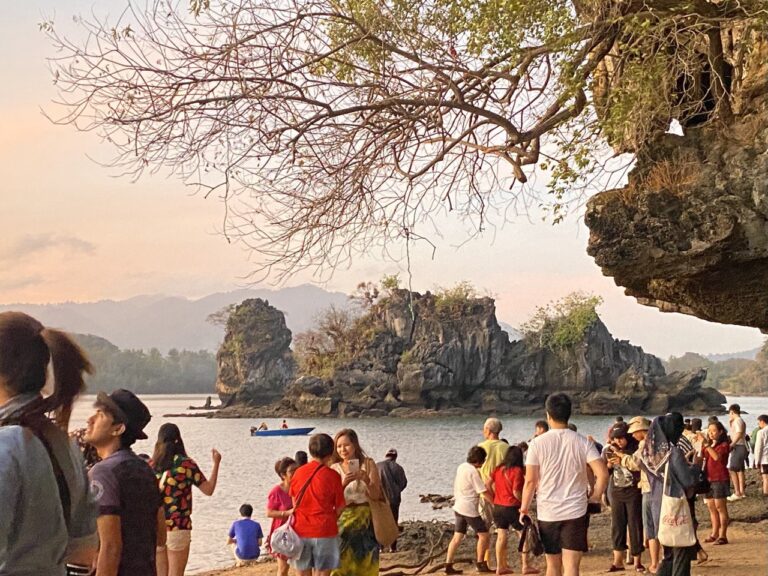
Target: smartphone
point(354, 466)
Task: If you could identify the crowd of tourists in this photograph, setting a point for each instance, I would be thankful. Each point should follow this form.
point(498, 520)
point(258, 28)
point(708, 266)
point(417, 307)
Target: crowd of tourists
point(569, 476)
point(102, 509)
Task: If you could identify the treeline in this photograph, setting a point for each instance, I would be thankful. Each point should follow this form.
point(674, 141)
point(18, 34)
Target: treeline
point(148, 372)
point(736, 376)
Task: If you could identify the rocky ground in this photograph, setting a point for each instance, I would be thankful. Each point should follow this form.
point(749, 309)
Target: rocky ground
point(747, 553)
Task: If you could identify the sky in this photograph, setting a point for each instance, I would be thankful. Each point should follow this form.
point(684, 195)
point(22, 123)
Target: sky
point(73, 230)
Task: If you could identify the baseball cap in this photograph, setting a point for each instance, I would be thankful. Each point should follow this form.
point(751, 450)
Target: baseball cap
point(126, 407)
point(391, 452)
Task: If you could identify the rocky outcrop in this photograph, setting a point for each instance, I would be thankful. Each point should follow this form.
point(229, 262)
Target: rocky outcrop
point(689, 233)
point(255, 363)
point(428, 358)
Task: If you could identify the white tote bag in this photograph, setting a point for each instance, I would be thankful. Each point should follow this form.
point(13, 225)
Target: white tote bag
point(285, 541)
point(675, 524)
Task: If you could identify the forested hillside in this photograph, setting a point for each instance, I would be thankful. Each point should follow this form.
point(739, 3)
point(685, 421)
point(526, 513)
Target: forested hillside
point(149, 372)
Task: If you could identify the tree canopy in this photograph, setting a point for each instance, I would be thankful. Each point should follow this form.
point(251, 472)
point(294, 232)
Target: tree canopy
point(329, 127)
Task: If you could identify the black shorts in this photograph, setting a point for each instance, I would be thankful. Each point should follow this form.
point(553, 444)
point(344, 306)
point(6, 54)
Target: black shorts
point(506, 517)
point(564, 534)
point(475, 522)
point(718, 490)
point(764, 468)
point(738, 458)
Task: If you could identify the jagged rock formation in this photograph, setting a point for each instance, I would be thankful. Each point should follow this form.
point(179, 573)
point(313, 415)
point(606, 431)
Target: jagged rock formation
point(425, 358)
point(689, 233)
point(254, 362)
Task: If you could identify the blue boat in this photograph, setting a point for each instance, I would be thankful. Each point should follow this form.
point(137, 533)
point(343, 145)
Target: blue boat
point(282, 431)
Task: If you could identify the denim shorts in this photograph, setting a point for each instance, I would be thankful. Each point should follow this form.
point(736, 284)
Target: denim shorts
point(649, 522)
point(318, 553)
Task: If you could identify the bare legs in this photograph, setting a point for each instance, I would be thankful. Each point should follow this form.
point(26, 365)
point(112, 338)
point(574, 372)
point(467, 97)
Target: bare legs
point(565, 564)
point(177, 561)
point(718, 516)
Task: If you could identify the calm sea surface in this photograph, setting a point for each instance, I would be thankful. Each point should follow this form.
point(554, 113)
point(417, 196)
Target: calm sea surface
point(429, 450)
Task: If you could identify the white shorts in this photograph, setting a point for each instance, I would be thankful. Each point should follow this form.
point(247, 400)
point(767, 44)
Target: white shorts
point(178, 539)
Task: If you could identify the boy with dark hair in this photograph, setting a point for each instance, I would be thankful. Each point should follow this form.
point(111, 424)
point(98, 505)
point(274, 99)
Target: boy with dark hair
point(468, 488)
point(131, 522)
point(540, 428)
point(245, 537)
point(556, 470)
point(318, 499)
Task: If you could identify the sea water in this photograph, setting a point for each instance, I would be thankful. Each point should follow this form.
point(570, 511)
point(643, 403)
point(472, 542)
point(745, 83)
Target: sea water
point(429, 451)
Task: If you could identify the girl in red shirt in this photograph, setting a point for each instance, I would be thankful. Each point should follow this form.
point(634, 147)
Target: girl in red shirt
point(716, 448)
point(505, 484)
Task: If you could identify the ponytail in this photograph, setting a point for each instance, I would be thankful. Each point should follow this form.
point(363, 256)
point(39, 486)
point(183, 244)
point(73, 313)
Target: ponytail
point(69, 364)
point(26, 347)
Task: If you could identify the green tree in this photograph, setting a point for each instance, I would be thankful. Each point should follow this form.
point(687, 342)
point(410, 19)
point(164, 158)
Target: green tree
point(563, 323)
point(332, 126)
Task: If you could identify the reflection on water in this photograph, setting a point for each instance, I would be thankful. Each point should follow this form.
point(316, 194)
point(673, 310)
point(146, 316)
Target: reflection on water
point(429, 450)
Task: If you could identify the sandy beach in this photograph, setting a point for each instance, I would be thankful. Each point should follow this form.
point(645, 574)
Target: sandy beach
point(745, 555)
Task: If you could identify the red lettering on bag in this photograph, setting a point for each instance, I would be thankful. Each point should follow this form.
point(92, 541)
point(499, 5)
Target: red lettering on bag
point(675, 520)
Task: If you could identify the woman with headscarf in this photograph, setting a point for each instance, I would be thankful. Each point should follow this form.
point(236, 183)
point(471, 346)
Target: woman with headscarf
point(661, 449)
point(46, 515)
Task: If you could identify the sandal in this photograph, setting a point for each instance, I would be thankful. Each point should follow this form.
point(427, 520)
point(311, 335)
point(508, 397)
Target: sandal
point(531, 570)
point(721, 541)
point(702, 558)
point(710, 539)
point(616, 568)
point(640, 568)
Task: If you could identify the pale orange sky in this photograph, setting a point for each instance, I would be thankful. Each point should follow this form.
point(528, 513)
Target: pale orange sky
point(72, 231)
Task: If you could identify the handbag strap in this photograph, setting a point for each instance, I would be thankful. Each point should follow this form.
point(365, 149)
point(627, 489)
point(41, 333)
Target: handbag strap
point(666, 477)
point(304, 488)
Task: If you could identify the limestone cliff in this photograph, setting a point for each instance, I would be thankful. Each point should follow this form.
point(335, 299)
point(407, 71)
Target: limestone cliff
point(254, 361)
point(689, 233)
point(424, 357)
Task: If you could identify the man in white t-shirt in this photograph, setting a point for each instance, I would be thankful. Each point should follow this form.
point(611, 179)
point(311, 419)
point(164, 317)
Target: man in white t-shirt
point(739, 453)
point(556, 471)
point(468, 488)
point(761, 450)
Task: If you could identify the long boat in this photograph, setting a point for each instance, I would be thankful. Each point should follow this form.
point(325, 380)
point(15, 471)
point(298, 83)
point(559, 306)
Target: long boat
point(282, 431)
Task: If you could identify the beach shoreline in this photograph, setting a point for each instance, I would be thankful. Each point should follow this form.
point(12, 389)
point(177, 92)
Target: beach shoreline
point(747, 552)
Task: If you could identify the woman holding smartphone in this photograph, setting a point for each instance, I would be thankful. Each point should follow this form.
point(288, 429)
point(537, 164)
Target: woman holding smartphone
point(360, 479)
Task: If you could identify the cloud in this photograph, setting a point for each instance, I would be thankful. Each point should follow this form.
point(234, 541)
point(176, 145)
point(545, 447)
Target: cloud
point(32, 244)
point(8, 284)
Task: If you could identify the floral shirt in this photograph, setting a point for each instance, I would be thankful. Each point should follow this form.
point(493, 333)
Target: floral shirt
point(176, 489)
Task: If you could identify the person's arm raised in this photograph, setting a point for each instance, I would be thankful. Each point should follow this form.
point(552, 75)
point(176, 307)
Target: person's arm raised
point(209, 486)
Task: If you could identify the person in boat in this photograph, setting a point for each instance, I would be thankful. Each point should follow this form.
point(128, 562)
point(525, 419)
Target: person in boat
point(284, 425)
point(262, 426)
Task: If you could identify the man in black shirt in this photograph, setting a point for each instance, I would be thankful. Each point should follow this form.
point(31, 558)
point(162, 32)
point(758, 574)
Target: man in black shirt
point(393, 481)
point(131, 522)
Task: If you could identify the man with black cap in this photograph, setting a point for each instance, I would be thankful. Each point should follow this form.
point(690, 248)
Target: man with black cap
point(131, 523)
point(393, 481)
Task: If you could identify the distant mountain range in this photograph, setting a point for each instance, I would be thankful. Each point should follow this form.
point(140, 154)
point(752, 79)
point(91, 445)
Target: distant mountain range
point(166, 322)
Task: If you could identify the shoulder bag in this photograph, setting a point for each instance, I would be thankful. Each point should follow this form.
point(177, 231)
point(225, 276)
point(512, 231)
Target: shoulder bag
point(284, 540)
point(675, 523)
point(384, 526)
